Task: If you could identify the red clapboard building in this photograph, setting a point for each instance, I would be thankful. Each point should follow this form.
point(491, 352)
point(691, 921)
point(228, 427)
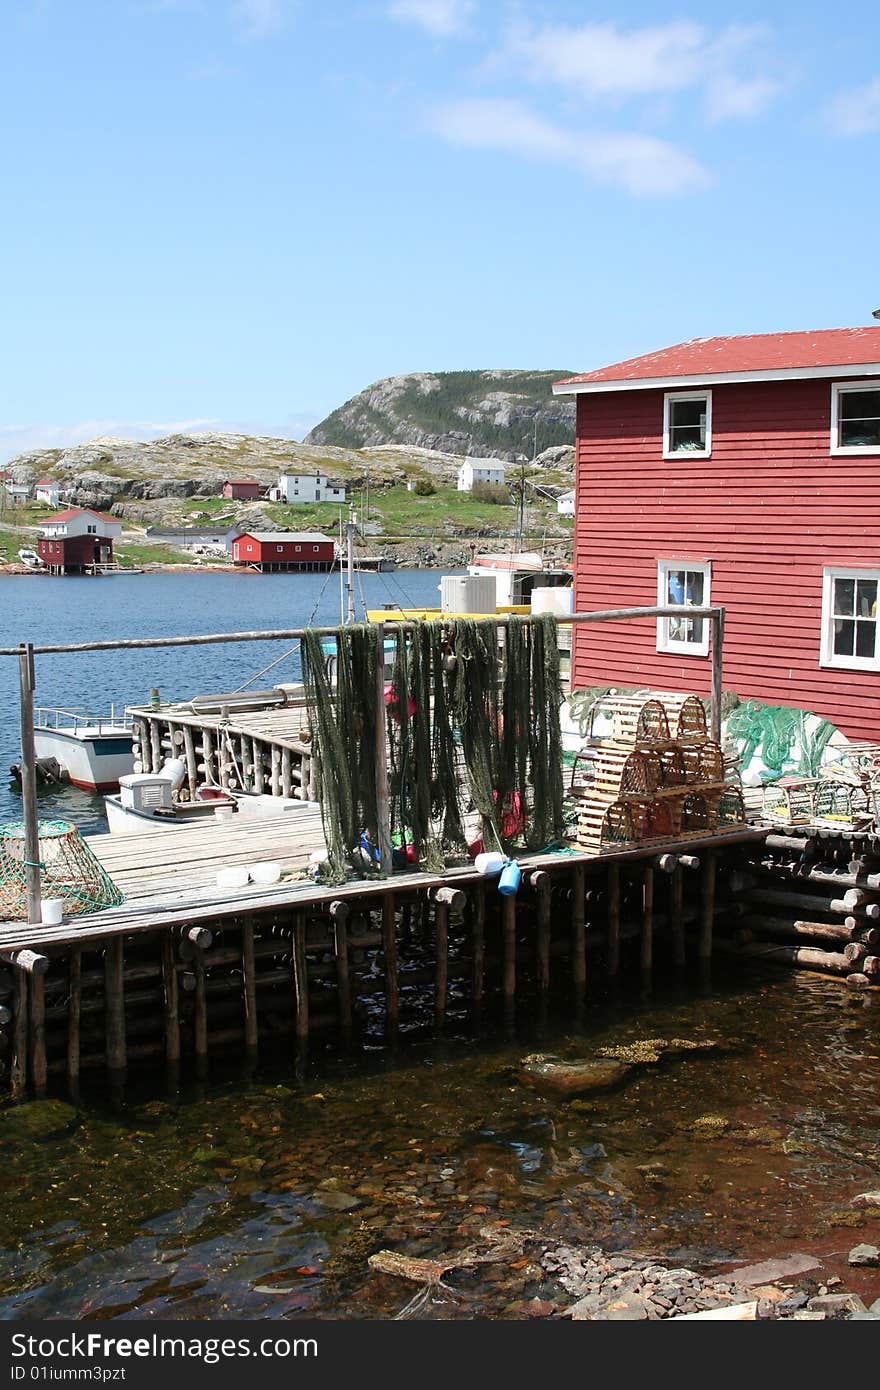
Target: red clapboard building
point(284, 550)
point(76, 540)
point(743, 472)
point(242, 489)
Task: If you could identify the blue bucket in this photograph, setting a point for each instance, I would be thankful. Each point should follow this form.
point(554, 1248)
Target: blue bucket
point(509, 881)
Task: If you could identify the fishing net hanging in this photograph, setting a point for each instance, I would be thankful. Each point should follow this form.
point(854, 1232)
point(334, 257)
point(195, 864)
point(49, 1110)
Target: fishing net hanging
point(69, 870)
point(469, 724)
point(345, 725)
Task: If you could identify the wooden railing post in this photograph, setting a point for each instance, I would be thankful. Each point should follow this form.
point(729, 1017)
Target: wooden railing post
point(29, 783)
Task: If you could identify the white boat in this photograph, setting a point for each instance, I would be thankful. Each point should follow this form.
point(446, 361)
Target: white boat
point(31, 559)
point(145, 803)
point(517, 574)
point(92, 752)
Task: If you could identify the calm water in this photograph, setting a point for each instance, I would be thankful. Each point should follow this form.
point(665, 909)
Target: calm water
point(44, 610)
point(263, 1195)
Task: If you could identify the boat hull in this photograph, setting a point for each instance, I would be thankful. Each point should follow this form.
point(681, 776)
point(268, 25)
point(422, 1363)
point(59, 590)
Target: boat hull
point(93, 762)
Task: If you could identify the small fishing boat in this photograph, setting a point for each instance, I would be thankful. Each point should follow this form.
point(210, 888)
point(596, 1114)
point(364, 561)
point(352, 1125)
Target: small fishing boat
point(146, 802)
point(92, 752)
point(31, 559)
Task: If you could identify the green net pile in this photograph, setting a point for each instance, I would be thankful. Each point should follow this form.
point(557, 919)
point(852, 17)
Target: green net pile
point(470, 724)
point(69, 870)
point(775, 732)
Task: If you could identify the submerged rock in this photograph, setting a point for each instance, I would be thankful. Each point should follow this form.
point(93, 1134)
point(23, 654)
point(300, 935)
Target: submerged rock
point(36, 1120)
point(547, 1073)
point(608, 1067)
point(867, 1255)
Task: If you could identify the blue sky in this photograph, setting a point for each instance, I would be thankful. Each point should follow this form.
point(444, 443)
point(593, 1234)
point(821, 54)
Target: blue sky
point(235, 214)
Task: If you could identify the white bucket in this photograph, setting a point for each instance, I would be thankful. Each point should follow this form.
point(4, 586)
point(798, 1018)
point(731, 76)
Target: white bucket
point(268, 872)
point(51, 911)
point(235, 876)
point(491, 862)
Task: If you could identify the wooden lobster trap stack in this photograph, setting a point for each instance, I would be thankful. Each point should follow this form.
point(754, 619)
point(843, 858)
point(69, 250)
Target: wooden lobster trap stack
point(658, 777)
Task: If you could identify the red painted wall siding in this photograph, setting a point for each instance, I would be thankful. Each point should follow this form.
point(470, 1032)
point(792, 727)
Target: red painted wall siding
point(770, 509)
point(289, 554)
point(241, 491)
point(78, 550)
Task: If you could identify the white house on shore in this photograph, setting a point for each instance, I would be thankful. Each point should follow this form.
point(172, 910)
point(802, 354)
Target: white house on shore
point(17, 493)
point(307, 487)
point(565, 503)
point(47, 491)
point(479, 471)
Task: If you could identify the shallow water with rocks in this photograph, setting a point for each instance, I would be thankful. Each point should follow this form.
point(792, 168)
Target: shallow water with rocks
point(264, 1195)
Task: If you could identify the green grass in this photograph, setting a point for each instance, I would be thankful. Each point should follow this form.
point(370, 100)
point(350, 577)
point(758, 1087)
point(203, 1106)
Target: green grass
point(212, 505)
point(132, 555)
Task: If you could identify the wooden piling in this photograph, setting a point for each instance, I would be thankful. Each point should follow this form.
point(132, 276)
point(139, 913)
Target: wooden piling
point(192, 776)
point(579, 932)
point(613, 938)
point(74, 988)
point(200, 1021)
point(19, 1067)
point(171, 1002)
point(38, 1034)
point(251, 1031)
point(389, 951)
point(646, 954)
point(114, 1005)
point(155, 748)
point(339, 917)
point(477, 901)
point(707, 920)
point(300, 976)
point(508, 927)
point(676, 915)
point(444, 899)
point(286, 773)
point(540, 882)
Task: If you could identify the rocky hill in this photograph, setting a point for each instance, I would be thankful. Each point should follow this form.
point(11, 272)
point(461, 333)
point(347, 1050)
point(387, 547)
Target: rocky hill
point(483, 414)
point(134, 478)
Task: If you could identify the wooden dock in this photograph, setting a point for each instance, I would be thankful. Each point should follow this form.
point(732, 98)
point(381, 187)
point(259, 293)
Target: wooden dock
point(183, 969)
point(259, 750)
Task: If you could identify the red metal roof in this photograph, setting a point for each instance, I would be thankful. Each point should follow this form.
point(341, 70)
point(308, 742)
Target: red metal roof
point(754, 354)
point(71, 512)
point(46, 482)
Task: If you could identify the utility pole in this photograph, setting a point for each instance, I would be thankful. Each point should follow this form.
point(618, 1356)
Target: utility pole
point(349, 580)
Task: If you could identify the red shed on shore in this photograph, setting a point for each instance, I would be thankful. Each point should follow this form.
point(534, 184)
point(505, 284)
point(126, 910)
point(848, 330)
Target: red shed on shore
point(76, 540)
point(741, 472)
point(284, 550)
point(242, 489)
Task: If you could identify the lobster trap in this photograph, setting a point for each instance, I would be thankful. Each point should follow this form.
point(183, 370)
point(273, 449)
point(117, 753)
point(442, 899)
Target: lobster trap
point(69, 871)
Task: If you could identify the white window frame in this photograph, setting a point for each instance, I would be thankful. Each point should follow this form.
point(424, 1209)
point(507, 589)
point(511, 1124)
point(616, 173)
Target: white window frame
point(665, 643)
point(669, 399)
point(837, 387)
point(827, 656)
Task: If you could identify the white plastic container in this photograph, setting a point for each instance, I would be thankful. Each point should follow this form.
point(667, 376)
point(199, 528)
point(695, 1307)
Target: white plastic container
point(491, 862)
point(235, 876)
point(268, 872)
point(51, 911)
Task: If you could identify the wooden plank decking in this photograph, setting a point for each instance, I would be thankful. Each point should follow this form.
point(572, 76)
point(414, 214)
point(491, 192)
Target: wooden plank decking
point(169, 877)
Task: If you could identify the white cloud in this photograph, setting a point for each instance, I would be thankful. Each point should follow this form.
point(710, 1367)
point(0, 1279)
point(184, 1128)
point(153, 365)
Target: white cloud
point(732, 97)
point(438, 17)
point(604, 62)
point(641, 164)
point(857, 112)
point(259, 17)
